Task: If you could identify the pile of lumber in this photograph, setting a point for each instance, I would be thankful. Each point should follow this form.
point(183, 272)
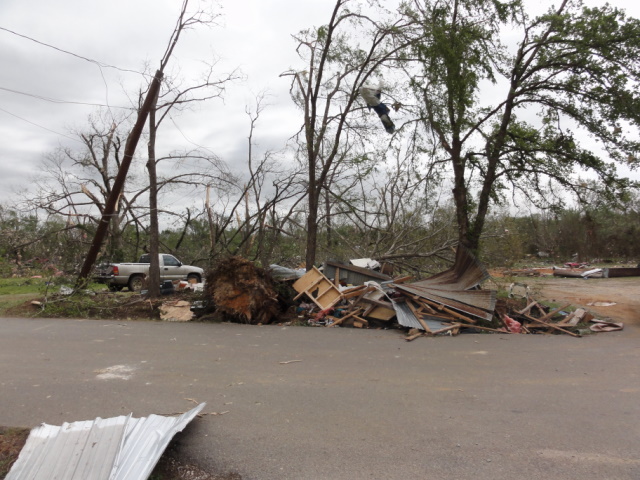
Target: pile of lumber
point(443, 303)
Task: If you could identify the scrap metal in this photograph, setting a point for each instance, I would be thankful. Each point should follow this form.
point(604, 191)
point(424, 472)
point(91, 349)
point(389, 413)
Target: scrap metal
point(118, 448)
point(453, 287)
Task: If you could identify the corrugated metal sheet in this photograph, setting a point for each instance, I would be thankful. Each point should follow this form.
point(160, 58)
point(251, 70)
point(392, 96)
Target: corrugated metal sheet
point(118, 448)
point(351, 274)
point(467, 272)
point(452, 287)
point(479, 303)
point(407, 318)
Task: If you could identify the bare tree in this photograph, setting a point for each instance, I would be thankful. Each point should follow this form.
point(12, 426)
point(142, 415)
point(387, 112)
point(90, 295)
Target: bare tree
point(340, 57)
point(76, 183)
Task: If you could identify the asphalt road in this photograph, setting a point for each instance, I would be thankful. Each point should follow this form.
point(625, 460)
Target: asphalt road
point(359, 404)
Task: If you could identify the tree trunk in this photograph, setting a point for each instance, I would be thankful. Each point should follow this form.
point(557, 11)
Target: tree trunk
point(327, 206)
point(153, 281)
point(312, 228)
point(118, 184)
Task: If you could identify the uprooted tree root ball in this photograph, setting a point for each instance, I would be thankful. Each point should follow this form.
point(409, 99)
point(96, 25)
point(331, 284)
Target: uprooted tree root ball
point(243, 292)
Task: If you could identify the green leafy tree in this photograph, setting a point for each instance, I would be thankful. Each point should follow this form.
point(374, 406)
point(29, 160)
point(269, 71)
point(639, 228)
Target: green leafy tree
point(514, 116)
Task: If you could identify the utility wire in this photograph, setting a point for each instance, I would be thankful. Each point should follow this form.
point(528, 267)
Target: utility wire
point(54, 100)
point(100, 64)
point(39, 126)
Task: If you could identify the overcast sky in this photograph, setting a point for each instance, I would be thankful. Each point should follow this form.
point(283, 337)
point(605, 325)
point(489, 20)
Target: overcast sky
point(253, 35)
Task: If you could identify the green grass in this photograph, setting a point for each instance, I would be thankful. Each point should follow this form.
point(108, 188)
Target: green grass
point(11, 442)
point(17, 291)
point(15, 286)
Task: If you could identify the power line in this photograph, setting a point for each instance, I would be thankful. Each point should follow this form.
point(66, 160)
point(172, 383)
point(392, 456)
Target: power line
point(54, 100)
point(39, 126)
point(99, 64)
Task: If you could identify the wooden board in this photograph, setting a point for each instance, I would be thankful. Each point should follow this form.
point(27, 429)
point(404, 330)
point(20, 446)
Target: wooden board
point(318, 289)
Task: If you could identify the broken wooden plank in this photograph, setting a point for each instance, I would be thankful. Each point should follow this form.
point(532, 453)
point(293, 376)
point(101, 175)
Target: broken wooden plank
point(552, 325)
point(340, 320)
point(487, 329)
point(355, 291)
point(548, 316)
point(527, 308)
point(359, 322)
point(381, 313)
point(403, 279)
point(419, 317)
point(451, 312)
point(410, 338)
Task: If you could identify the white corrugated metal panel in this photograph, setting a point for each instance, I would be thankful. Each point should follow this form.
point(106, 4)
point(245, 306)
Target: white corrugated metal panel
point(102, 449)
point(407, 318)
point(146, 440)
point(71, 451)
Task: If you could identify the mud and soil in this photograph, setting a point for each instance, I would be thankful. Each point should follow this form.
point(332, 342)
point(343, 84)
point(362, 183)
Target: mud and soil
point(624, 292)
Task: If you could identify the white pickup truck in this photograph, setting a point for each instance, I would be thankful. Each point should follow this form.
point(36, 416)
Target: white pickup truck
point(134, 275)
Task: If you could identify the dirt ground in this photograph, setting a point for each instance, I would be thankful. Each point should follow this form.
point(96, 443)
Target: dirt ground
point(624, 292)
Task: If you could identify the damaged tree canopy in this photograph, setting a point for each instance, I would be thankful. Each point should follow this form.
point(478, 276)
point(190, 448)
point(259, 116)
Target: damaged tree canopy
point(243, 292)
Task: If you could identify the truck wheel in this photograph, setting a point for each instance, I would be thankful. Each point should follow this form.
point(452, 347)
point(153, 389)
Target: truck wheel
point(194, 276)
point(136, 283)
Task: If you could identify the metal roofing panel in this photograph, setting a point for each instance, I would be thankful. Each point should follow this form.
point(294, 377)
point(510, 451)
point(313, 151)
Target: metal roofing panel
point(115, 448)
point(351, 274)
point(145, 441)
point(77, 450)
point(407, 318)
point(482, 299)
point(467, 272)
point(453, 287)
point(457, 305)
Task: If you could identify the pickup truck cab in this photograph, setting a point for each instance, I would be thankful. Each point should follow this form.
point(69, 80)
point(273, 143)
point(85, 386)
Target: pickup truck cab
point(134, 275)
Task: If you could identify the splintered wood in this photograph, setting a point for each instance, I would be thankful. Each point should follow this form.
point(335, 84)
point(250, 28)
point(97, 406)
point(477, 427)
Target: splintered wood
point(434, 306)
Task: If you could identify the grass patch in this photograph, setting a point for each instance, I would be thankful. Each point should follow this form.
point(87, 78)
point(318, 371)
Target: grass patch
point(20, 286)
point(11, 442)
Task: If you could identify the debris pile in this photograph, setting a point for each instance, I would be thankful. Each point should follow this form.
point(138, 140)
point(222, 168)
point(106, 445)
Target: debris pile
point(445, 302)
point(354, 295)
point(536, 318)
point(243, 292)
point(584, 271)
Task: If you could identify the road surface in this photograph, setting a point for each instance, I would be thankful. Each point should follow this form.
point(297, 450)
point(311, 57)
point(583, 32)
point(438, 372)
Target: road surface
point(320, 403)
